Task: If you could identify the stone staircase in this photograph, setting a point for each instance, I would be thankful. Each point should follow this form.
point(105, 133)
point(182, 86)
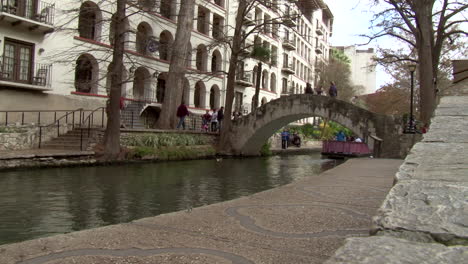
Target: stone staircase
point(135, 122)
point(72, 140)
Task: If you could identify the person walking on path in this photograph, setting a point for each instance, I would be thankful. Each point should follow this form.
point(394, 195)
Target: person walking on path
point(333, 92)
point(182, 113)
point(214, 121)
point(206, 120)
point(319, 90)
point(284, 139)
point(220, 117)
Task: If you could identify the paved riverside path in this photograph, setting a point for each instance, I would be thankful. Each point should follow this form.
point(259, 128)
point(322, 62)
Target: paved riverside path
point(302, 222)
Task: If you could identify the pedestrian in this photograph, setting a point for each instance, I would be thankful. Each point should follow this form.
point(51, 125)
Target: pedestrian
point(319, 90)
point(308, 89)
point(332, 91)
point(182, 113)
point(284, 139)
point(214, 121)
point(341, 136)
point(206, 120)
point(220, 117)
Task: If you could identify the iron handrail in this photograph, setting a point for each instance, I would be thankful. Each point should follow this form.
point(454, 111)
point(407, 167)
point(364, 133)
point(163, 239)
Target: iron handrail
point(90, 120)
point(57, 122)
point(31, 111)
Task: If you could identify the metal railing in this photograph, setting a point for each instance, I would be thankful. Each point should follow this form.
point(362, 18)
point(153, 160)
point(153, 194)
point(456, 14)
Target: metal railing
point(63, 119)
point(39, 74)
point(40, 11)
point(29, 117)
point(89, 121)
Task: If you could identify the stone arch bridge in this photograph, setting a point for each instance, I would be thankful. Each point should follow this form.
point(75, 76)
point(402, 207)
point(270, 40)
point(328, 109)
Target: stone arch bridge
point(250, 132)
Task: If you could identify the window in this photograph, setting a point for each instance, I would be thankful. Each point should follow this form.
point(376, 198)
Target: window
point(89, 21)
point(17, 61)
point(86, 72)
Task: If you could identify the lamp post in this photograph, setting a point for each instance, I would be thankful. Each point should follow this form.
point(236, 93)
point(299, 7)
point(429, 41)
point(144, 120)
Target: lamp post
point(411, 125)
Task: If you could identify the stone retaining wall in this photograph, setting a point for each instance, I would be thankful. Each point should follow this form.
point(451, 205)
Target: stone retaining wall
point(27, 137)
point(424, 218)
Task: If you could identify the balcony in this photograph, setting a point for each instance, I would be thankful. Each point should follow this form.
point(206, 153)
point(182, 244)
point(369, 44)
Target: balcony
point(249, 20)
point(319, 30)
point(290, 19)
point(244, 79)
point(246, 49)
point(319, 49)
point(289, 43)
point(39, 17)
point(288, 69)
point(34, 77)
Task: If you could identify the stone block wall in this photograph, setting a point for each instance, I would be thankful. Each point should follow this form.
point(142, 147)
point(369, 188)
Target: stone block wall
point(27, 137)
point(424, 218)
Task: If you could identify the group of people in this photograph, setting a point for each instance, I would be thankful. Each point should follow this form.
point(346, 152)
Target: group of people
point(332, 91)
point(211, 120)
point(286, 139)
point(340, 136)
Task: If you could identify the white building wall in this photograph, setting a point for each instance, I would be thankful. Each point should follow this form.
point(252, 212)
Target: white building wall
point(362, 68)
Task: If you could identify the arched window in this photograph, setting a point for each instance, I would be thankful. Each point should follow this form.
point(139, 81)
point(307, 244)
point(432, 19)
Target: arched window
point(265, 79)
point(216, 61)
point(214, 97)
point(144, 33)
point(165, 44)
point(89, 21)
point(201, 60)
point(141, 84)
point(273, 83)
point(161, 87)
point(199, 97)
point(166, 8)
point(86, 74)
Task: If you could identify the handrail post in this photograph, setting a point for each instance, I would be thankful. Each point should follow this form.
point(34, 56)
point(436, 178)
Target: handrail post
point(55, 116)
point(40, 136)
point(132, 120)
point(58, 128)
point(102, 118)
point(81, 135)
point(39, 118)
point(66, 117)
point(6, 118)
point(73, 120)
point(89, 125)
point(22, 118)
point(81, 114)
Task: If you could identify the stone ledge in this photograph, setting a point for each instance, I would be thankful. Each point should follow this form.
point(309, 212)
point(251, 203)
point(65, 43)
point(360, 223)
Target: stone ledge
point(435, 208)
point(391, 250)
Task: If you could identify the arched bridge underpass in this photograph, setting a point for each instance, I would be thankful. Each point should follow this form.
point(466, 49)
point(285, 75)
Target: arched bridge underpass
point(250, 132)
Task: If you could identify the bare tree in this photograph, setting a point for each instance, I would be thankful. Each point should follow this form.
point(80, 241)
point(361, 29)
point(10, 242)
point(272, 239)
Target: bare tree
point(423, 25)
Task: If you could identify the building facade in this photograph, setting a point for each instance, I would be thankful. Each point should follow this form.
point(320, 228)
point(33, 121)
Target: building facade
point(363, 74)
point(53, 57)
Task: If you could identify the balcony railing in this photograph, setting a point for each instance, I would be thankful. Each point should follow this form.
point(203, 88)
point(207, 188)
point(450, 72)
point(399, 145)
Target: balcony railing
point(34, 10)
point(319, 30)
point(244, 79)
point(288, 68)
point(289, 43)
point(18, 74)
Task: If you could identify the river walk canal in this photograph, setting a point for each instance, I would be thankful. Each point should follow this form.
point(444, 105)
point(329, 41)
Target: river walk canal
point(44, 202)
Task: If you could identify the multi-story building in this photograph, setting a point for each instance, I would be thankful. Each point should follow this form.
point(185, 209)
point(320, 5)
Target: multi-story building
point(54, 58)
point(363, 75)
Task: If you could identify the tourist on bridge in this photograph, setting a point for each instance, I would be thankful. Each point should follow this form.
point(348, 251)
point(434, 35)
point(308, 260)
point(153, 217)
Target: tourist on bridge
point(206, 120)
point(319, 90)
point(333, 92)
point(214, 121)
point(308, 89)
point(182, 113)
point(284, 139)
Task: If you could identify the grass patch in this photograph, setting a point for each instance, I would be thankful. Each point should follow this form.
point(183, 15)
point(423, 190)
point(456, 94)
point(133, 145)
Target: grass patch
point(170, 153)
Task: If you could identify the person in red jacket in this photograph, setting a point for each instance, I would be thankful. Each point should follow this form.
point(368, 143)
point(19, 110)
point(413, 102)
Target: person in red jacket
point(182, 112)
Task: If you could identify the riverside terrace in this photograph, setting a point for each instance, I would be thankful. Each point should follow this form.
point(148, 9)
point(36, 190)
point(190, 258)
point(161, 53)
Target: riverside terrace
point(423, 218)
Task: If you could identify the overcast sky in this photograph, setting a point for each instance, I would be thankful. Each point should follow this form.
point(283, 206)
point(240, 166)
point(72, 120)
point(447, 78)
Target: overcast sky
point(351, 18)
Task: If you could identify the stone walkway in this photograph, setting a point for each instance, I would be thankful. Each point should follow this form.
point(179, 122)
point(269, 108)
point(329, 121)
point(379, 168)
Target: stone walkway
point(303, 222)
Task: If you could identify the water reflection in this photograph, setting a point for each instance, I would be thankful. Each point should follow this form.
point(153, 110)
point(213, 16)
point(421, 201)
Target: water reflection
point(53, 201)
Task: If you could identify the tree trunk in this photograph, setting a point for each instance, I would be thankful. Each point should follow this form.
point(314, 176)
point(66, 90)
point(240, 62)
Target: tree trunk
point(176, 76)
point(425, 44)
point(224, 146)
point(112, 133)
point(257, 87)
